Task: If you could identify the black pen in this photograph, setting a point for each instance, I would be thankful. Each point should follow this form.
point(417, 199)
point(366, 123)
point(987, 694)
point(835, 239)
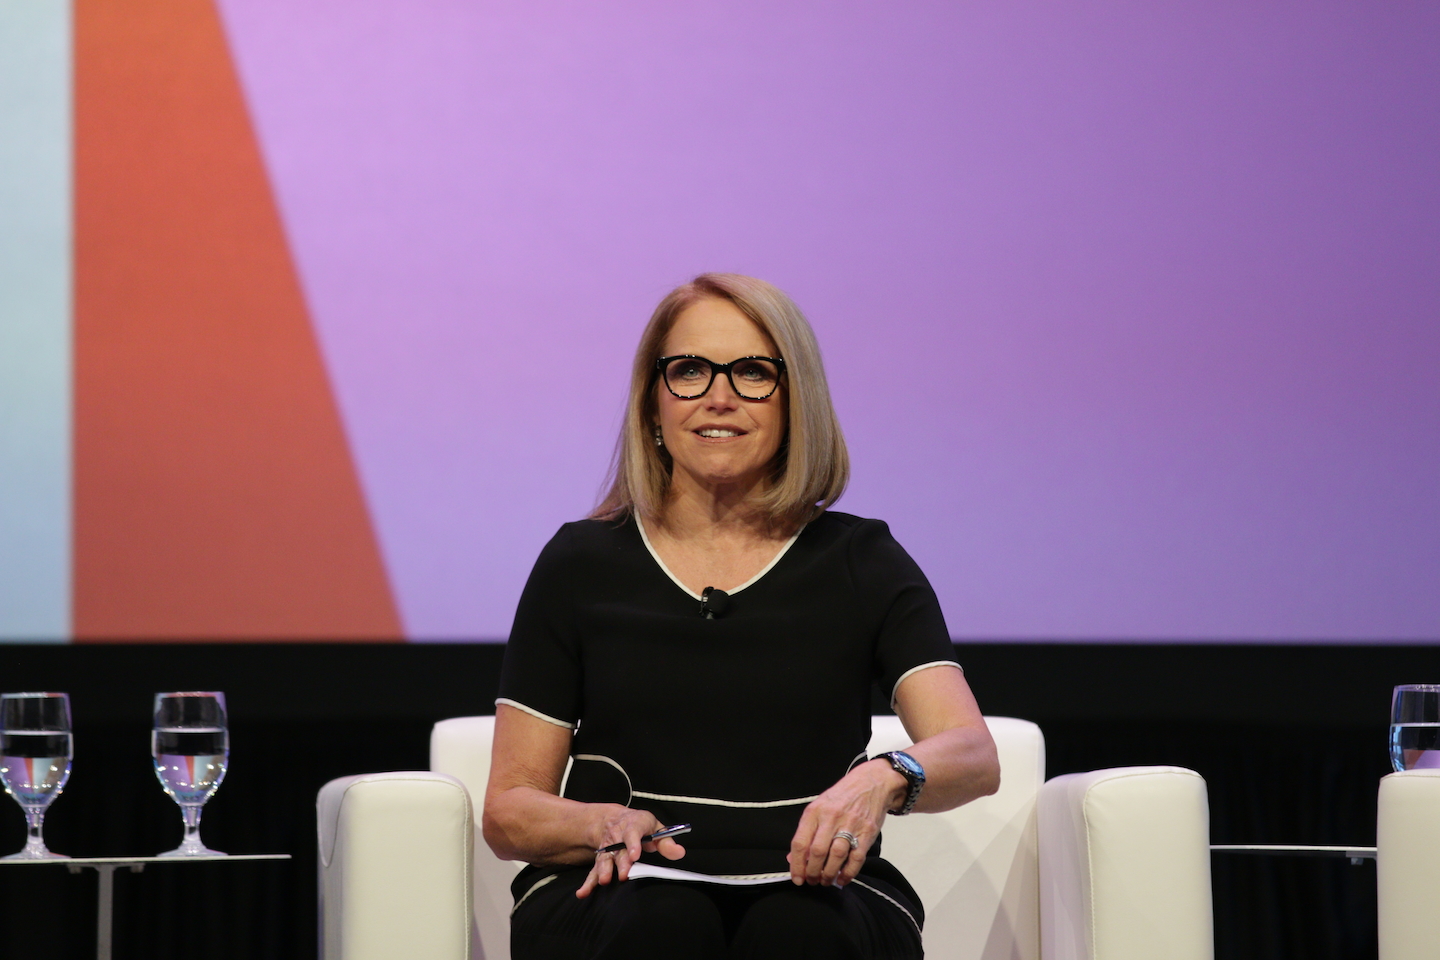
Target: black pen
point(674, 831)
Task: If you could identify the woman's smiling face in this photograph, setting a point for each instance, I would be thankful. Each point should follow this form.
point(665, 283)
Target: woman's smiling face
point(720, 439)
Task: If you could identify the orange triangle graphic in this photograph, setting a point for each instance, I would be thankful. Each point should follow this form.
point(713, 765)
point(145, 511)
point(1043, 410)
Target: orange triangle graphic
point(215, 496)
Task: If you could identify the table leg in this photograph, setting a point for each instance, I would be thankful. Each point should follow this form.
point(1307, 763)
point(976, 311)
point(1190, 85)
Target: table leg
point(106, 913)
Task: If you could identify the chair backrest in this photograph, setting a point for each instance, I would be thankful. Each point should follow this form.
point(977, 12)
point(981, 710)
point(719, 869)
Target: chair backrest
point(461, 748)
point(976, 869)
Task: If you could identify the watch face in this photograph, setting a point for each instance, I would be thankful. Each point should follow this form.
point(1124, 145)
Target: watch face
point(912, 768)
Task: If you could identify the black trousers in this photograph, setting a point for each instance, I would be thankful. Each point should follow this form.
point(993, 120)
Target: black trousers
point(650, 918)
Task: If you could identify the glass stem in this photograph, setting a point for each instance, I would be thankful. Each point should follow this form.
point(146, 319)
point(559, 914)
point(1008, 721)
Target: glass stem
point(191, 814)
point(34, 820)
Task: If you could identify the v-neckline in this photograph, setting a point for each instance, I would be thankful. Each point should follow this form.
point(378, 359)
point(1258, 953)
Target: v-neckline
point(655, 555)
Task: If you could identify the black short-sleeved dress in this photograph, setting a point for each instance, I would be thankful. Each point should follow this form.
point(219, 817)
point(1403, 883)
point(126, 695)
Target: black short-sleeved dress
point(731, 724)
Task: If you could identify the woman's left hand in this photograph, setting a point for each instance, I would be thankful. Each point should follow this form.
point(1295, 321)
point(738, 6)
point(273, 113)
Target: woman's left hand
point(819, 852)
point(952, 744)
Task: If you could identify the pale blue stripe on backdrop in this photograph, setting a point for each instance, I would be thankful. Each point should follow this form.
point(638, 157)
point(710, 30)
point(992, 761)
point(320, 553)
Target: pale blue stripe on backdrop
point(35, 319)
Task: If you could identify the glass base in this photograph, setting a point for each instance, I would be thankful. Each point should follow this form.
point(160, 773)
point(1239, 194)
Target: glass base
point(35, 852)
point(192, 849)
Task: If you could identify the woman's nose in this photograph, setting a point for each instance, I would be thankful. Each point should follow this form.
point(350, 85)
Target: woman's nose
point(721, 395)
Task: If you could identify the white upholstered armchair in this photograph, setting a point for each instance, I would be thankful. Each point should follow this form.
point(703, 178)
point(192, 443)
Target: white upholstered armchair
point(1109, 865)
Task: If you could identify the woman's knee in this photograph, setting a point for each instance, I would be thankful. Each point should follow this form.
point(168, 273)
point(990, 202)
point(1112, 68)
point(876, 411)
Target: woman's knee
point(660, 920)
point(797, 923)
point(637, 919)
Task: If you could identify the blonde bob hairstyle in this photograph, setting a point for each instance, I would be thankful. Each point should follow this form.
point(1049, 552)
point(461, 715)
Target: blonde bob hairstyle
point(812, 466)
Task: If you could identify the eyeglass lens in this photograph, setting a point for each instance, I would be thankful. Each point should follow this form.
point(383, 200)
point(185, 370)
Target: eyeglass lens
point(690, 377)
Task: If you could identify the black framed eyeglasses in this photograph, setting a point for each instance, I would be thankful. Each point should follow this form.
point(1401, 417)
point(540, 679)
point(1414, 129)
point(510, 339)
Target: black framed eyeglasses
point(689, 377)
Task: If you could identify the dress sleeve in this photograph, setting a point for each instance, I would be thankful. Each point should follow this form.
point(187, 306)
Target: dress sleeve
point(541, 674)
point(912, 632)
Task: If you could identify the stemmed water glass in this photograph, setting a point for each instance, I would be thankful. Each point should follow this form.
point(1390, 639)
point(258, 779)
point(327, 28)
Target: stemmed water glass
point(191, 747)
point(35, 750)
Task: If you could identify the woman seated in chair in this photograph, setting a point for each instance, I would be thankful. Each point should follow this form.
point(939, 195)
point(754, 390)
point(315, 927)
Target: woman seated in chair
point(703, 648)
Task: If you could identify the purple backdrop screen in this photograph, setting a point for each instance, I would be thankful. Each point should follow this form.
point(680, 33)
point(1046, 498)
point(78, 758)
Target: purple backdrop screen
point(1129, 309)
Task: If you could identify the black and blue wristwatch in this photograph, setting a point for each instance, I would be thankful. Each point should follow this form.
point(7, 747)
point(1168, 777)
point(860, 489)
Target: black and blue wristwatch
point(914, 774)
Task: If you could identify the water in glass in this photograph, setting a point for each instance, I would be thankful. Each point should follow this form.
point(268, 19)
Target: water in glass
point(1414, 746)
point(190, 763)
point(1415, 726)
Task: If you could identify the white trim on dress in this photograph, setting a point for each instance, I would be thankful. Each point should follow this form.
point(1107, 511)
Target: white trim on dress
point(645, 538)
point(712, 802)
point(540, 883)
point(924, 666)
point(598, 758)
point(704, 801)
point(860, 883)
point(533, 712)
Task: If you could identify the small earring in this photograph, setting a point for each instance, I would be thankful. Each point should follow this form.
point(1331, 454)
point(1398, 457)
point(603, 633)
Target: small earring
point(659, 437)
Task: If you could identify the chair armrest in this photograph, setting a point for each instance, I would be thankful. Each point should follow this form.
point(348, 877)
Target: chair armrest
point(395, 867)
point(1125, 866)
point(1407, 864)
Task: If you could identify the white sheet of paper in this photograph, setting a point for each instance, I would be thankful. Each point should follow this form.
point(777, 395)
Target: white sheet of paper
point(641, 870)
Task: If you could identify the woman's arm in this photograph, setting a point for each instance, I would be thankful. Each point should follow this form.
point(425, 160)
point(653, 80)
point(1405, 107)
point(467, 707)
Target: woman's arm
point(526, 819)
point(952, 743)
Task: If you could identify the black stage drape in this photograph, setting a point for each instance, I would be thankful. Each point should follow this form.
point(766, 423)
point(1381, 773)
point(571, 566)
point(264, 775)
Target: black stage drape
point(1291, 740)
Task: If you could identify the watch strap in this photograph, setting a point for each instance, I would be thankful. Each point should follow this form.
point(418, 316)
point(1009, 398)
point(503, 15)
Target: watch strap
point(914, 774)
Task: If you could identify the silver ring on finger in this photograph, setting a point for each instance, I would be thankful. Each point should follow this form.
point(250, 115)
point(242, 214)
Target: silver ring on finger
point(849, 838)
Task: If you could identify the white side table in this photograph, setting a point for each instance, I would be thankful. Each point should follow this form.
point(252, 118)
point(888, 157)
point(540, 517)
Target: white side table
point(106, 866)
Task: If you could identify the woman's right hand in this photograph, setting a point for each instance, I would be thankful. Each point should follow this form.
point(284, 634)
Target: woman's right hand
point(525, 819)
point(623, 825)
